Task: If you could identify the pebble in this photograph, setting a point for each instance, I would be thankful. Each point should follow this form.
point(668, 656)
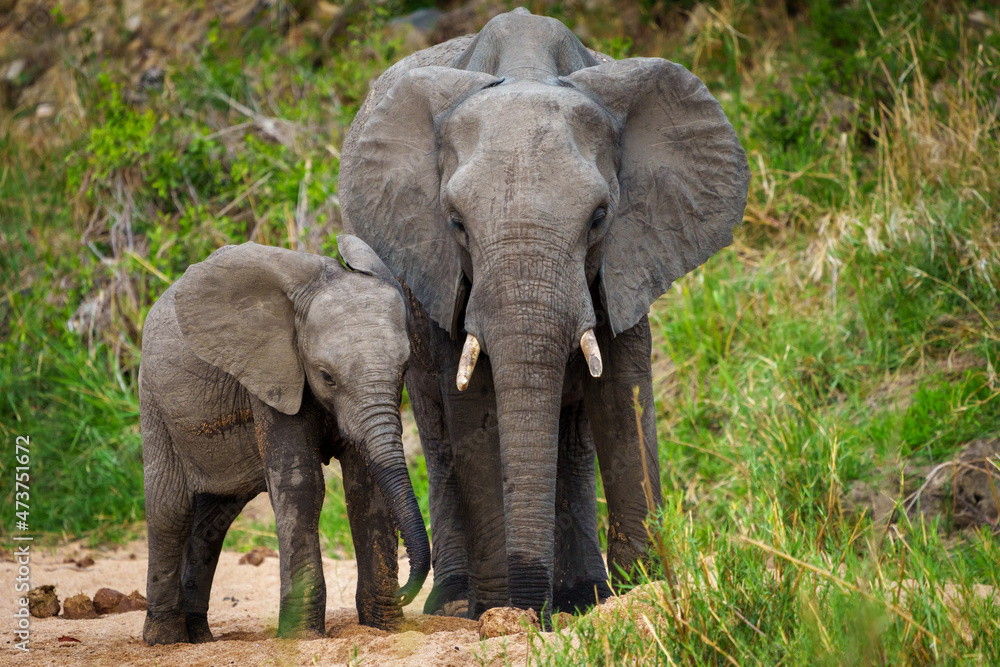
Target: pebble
point(14, 70)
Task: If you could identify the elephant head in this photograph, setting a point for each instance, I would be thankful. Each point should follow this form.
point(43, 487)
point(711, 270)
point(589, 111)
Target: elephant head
point(279, 321)
point(506, 198)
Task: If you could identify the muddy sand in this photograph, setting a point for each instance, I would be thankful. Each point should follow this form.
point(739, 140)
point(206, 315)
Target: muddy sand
point(243, 616)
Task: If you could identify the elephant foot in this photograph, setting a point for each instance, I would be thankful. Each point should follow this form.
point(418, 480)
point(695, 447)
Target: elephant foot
point(197, 628)
point(447, 590)
point(294, 626)
point(581, 596)
point(168, 628)
point(387, 616)
point(297, 621)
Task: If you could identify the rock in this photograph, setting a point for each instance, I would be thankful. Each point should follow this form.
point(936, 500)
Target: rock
point(506, 621)
point(257, 555)
point(106, 600)
point(46, 110)
point(152, 79)
point(423, 19)
point(980, 19)
point(14, 70)
point(79, 607)
point(278, 130)
point(86, 561)
point(42, 602)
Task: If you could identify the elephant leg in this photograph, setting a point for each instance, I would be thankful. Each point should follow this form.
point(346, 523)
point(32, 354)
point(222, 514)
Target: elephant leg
point(169, 514)
point(290, 448)
point(448, 547)
point(611, 413)
point(450, 592)
point(475, 443)
point(212, 517)
point(376, 545)
point(580, 578)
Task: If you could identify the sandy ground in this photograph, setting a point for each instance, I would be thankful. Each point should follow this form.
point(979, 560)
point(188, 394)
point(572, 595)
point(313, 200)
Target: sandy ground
point(243, 616)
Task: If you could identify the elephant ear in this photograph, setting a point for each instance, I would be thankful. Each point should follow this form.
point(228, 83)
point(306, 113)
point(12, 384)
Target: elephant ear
point(683, 178)
point(359, 256)
point(390, 189)
point(235, 312)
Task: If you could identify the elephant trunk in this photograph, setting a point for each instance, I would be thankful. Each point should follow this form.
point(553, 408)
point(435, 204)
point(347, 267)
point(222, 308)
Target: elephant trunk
point(530, 322)
point(382, 449)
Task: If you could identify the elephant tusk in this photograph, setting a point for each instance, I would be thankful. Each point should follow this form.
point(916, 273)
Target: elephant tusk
point(588, 343)
point(467, 364)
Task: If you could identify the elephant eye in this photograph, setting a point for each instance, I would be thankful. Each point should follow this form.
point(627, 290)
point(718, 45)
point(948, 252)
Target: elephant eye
point(455, 222)
point(327, 378)
point(600, 213)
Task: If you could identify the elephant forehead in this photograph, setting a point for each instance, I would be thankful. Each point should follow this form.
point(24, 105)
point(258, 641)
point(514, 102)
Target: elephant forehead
point(533, 151)
point(363, 320)
point(530, 115)
point(510, 181)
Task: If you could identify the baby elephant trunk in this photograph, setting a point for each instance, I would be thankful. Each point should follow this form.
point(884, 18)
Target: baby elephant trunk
point(382, 448)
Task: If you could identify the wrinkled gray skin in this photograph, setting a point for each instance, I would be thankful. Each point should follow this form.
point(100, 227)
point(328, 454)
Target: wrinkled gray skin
point(526, 189)
point(258, 365)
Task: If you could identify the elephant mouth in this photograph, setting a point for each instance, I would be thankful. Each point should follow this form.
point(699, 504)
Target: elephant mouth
point(472, 348)
point(529, 299)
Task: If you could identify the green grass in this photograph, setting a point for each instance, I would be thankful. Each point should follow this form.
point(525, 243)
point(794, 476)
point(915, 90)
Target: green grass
point(854, 332)
point(851, 331)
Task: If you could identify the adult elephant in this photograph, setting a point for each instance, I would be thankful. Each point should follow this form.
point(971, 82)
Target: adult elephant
point(538, 197)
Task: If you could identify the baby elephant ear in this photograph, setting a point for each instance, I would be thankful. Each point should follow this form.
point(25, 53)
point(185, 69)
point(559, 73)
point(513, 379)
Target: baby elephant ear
point(235, 313)
point(683, 178)
point(359, 256)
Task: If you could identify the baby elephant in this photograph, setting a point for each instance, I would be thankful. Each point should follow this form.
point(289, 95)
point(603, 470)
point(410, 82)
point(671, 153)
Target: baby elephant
point(258, 365)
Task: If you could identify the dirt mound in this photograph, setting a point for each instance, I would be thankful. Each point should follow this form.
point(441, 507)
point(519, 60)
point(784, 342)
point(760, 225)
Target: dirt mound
point(963, 491)
point(506, 621)
point(43, 602)
point(79, 607)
